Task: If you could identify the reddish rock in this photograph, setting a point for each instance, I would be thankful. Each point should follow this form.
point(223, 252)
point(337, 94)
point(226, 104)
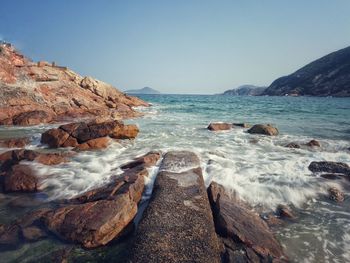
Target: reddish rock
point(98, 143)
point(76, 134)
point(293, 145)
point(33, 233)
point(263, 129)
point(234, 221)
point(273, 220)
point(32, 93)
point(14, 142)
point(21, 178)
point(285, 212)
point(32, 118)
point(219, 126)
point(313, 143)
point(336, 195)
point(147, 160)
point(52, 158)
point(10, 236)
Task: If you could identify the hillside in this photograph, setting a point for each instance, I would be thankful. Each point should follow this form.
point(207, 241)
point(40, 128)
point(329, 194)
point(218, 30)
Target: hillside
point(327, 76)
point(42, 92)
point(145, 90)
point(245, 90)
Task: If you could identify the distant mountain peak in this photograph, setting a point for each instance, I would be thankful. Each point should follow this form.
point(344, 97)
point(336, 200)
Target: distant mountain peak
point(145, 90)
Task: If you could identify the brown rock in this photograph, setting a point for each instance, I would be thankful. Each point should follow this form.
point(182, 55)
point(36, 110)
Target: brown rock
point(336, 195)
point(177, 225)
point(33, 233)
point(329, 167)
point(51, 158)
point(263, 129)
point(14, 142)
point(235, 221)
point(10, 236)
point(147, 160)
point(32, 118)
point(21, 179)
point(98, 143)
point(313, 143)
point(293, 145)
point(284, 212)
point(125, 132)
point(54, 137)
point(219, 126)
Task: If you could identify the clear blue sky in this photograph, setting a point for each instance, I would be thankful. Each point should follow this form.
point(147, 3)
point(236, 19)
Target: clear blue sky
point(178, 46)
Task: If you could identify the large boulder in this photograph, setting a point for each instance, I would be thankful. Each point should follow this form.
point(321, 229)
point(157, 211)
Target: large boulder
point(246, 236)
point(263, 129)
point(75, 134)
point(219, 126)
point(98, 216)
point(177, 225)
point(329, 167)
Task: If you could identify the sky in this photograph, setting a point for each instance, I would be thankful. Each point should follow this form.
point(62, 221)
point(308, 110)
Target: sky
point(178, 46)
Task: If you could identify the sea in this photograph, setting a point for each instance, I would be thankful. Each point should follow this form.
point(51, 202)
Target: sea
point(260, 169)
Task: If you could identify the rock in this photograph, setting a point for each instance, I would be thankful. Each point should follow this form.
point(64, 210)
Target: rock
point(284, 212)
point(329, 167)
point(10, 237)
point(21, 178)
point(14, 142)
point(75, 134)
point(335, 194)
point(273, 220)
point(313, 143)
point(98, 143)
point(40, 93)
point(293, 145)
point(147, 160)
point(244, 228)
point(33, 233)
point(52, 158)
point(98, 216)
point(219, 126)
point(263, 129)
point(177, 225)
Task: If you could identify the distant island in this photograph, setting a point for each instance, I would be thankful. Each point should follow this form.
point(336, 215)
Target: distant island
point(145, 90)
point(245, 90)
point(327, 76)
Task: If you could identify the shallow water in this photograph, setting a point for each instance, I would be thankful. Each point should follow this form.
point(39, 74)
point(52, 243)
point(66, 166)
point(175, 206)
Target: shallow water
point(260, 169)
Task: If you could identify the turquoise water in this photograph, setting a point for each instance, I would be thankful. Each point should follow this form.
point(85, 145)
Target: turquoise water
point(259, 169)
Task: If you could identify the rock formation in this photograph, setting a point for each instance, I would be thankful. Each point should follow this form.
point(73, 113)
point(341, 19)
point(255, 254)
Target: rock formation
point(33, 93)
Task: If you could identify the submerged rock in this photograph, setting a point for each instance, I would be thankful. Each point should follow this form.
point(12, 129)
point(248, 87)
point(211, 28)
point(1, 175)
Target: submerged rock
point(329, 167)
point(336, 194)
point(219, 126)
point(284, 211)
point(177, 225)
point(147, 160)
point(14, 142)
point(263, 129)
point(313, 143)
point(246, 236)
point(242, 125)
point(293, 145)
point(84, 135)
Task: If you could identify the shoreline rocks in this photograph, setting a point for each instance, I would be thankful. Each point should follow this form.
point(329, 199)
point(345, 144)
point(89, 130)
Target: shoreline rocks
point(14, 142)
point(330, 167)
point(85, 136)
point(264, 130)
point(219, 126)
point(177, 225)
point(245, 235)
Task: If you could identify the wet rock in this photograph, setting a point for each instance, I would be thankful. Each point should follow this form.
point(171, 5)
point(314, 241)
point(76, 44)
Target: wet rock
point(329, 167)
point(99, 143)
point(177, 225)
point(263, 129)
point(219, 126)
point(293, 145)
point(32, 118)
point(250, 236)
point(313, 143)
point(330, 176)
point(273, 220)
point(33, 233)
point(74, 134)
point(335, 194)
point(147, 160)
point(98, 216)
point(10, 236)
point(21, 178)
point(285, 212)
point(14, 142)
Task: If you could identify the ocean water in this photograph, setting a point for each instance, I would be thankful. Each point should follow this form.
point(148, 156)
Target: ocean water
point(260, 169)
